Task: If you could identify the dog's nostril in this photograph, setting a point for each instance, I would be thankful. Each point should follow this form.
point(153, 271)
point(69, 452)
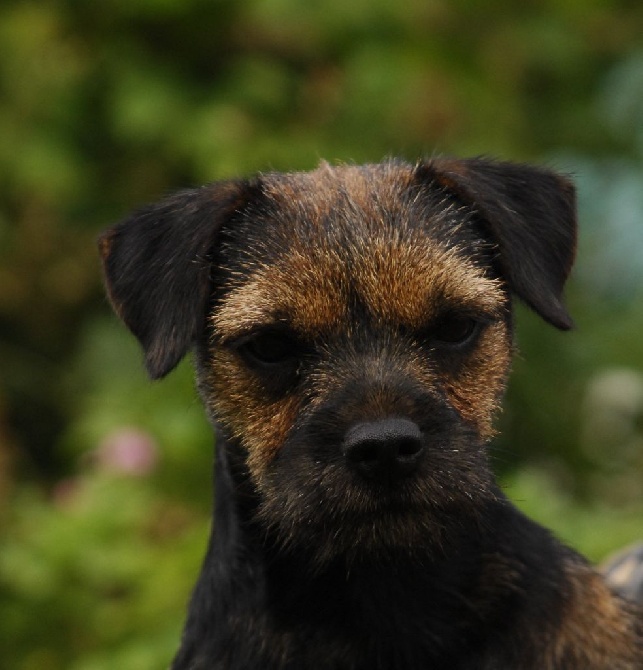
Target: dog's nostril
point(367, 452)
point(409, 447)
point(384, 450)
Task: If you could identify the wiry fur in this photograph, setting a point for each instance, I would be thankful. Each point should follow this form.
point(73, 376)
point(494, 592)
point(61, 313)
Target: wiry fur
point(353, 274)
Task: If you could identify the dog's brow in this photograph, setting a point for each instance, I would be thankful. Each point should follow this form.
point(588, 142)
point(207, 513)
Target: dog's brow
point(230, 321)
point(412, 283)
point(295, 292)
point(398, 284)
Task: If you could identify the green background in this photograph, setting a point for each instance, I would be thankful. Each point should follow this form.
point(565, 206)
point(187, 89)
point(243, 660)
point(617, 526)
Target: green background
point(107, 104)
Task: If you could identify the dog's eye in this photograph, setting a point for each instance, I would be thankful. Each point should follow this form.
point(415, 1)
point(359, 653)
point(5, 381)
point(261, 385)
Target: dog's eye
point(269, 348)
point(456, 330)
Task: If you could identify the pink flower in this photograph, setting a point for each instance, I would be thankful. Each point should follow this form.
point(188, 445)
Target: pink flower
point(128, 451)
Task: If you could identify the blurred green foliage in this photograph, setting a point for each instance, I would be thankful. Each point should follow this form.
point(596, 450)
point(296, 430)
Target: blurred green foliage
point(108, 104)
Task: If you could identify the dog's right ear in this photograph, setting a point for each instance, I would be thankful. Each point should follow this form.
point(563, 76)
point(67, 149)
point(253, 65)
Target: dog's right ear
point(156, 265)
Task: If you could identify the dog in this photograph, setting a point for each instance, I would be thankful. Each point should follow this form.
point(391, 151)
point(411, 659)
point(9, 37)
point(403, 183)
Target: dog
point(352, 333)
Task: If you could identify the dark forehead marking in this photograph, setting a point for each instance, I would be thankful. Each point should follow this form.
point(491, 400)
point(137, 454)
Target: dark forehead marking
point(347, 206)
point(344, 203)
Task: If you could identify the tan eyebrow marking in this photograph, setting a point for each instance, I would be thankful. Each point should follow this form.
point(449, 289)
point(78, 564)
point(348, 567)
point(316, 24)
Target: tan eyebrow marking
point(306, 290)
point(410, 283)
point(399, 282)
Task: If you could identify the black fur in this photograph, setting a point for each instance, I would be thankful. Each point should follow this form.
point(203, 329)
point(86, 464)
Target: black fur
point(157, 265)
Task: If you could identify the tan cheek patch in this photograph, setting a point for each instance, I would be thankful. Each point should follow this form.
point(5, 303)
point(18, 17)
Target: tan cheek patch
point(476, 389)
point(239, 402)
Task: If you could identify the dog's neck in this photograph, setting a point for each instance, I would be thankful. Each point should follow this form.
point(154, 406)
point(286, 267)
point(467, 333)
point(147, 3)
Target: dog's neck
point(254, 599)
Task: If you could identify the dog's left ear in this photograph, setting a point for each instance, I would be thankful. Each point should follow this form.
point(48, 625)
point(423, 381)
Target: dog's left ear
point(157, 268)
point(530, 213)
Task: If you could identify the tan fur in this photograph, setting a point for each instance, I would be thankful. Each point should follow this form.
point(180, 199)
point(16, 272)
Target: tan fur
point(262, 426)
point(475, 391)
point(596, 630)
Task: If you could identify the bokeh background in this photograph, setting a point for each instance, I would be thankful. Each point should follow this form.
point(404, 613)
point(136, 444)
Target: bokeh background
point(105, 478)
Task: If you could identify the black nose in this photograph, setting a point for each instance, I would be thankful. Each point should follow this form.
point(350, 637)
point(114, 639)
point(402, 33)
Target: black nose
point(385, 450)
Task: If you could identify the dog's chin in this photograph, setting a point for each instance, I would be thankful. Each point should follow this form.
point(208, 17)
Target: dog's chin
point(373, 524)
point(375, 540)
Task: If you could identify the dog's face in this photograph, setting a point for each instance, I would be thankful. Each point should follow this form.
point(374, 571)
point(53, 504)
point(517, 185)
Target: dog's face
point(359, 345)
point(353, 329)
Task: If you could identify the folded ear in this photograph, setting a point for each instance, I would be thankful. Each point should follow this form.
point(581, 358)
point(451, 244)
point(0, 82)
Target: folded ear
point(530, 213)
point(156, 265)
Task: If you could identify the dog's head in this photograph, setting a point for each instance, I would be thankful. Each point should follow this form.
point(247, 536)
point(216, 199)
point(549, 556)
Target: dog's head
point(353, 330)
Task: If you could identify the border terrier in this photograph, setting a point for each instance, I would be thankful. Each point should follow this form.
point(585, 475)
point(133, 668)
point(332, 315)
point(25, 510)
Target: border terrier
point(352, 333)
